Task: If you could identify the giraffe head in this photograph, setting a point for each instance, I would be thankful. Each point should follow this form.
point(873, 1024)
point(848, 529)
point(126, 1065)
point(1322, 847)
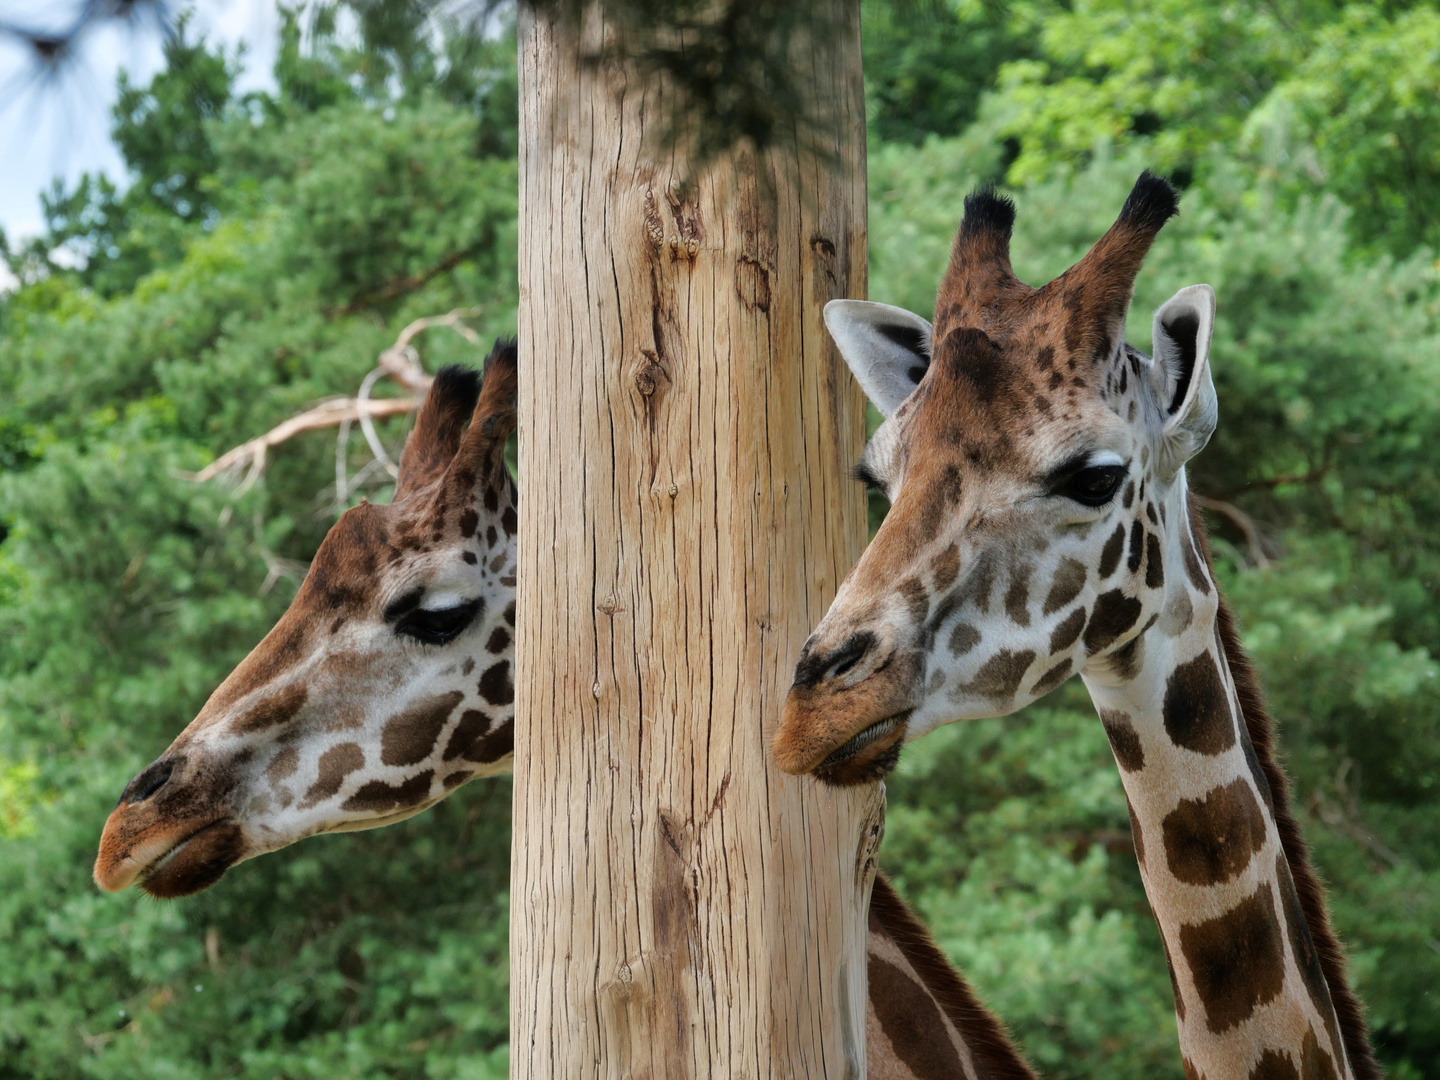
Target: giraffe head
point(1030, 456)
point(385, 685)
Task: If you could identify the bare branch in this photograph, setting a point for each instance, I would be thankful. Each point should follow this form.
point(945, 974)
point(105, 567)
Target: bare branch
point(401, 362)
point(1344, 816)
point(1254, 544)
point(325, 415)
point(393, 290)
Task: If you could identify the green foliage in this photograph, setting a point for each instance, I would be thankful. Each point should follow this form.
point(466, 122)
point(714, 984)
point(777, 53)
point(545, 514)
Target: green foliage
point(128, 592)
point(927, 62)
point(1348, 93)
point(1368, 99)
point(378, 185)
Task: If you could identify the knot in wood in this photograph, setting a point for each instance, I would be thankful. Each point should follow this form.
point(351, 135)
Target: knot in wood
point(647, 379)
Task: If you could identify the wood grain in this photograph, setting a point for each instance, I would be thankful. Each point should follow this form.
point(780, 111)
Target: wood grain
point(679, 907)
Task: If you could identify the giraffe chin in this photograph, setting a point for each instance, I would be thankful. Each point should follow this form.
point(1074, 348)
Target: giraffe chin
point(196, 863)
point(869, 755)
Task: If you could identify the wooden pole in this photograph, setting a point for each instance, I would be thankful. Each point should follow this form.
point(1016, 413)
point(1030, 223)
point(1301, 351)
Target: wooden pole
point(679, 907)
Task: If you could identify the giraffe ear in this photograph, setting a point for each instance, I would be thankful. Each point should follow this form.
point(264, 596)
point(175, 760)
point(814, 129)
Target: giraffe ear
point(887, 348)
point(1180, 376)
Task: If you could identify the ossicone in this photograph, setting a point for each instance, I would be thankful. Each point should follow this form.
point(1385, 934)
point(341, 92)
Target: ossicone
point(438, 428)
point(988, 213)
point(1151, 203)
point(979, 284)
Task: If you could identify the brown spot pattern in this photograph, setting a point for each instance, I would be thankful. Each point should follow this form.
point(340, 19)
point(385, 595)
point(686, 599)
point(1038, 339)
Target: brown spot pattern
point(1211, 840)
point(378, 796)
point(1274, 1065)
point(1315, 1063)
point(1125, 661)
point(1114, 614)
point(278, 708)
point(1000, 676)
point(1154, 564)
point(473, 724)
point(1068, 581)
point(1137, 546)
point(495, 684)
point(335, 764)
point(494, 746)
point(1193, 569)
point(981, 580)
point(1124, 740)
point(1017, 596)
point(411, 734)
point(1110, 554)
point(917, 598)
point(1236, 960)
point(1053, 678)
point(946, 567)
point(1302, 948)
point(963, 638)
point(1066, 634)
point(282, 765)
point(1197, 712)
point(909, 1017)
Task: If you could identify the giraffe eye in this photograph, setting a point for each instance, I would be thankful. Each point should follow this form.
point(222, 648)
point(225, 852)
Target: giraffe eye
point(439, 627)
point(1096, 485)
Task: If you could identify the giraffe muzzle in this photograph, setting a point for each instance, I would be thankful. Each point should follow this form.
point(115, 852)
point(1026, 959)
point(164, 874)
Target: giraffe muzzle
point(847, 712)
point(166, 862)
point(167, 834)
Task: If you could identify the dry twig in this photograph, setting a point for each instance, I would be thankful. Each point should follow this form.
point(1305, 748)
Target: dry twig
point(325, 415)
point(400, 362)
point(1254, 545)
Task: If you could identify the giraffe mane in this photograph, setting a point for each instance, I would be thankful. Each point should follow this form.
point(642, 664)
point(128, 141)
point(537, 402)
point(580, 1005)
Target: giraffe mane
point(993, 1051)
point(1349, 1013)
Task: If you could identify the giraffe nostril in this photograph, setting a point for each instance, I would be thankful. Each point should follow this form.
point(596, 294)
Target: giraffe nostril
point(151, 780)
point(843, 660)
point(817, 667)
point(845, 665)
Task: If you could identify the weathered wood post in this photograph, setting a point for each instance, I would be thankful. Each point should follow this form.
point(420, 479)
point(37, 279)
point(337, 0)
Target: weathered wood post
point(679, 907)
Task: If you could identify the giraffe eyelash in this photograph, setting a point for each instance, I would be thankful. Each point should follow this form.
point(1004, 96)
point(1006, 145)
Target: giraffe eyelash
point(439, 626)
point(862, 474)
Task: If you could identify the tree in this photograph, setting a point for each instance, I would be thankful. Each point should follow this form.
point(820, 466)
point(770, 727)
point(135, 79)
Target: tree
point(685, 434)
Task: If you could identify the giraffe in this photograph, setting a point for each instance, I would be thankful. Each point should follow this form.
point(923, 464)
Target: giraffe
point(388, 684)
point(1041, 526)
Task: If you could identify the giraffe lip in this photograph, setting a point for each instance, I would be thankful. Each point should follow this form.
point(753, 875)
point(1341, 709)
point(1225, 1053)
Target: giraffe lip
point(194, 862)
point(863, 738)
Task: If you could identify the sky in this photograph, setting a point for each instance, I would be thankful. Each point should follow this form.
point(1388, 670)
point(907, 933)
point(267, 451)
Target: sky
point(62, 129)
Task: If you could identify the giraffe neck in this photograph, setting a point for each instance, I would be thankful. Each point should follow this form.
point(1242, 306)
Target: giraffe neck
point(1211, 833)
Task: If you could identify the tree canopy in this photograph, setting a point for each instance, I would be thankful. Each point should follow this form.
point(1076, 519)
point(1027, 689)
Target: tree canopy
point(265, 248)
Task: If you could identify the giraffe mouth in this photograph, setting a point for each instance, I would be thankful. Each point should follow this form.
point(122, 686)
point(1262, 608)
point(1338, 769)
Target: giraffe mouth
point(194, 863)
point(870, 754)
